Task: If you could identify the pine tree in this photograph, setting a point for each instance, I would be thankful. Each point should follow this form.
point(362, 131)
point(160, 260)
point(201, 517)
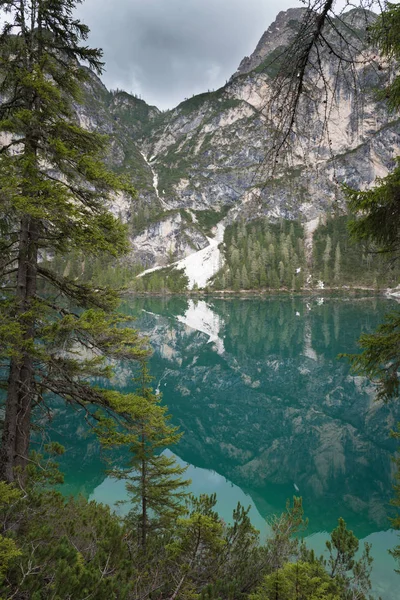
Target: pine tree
point(355, 573)
point(263, 277)
point(337, 266)
point(255, 273)
point(153, 479)
point(300, 580)
point(236, 281)
point(244, 278)
point(281, 268)
point(54, 189)
point(326, 258)
point(273, 279)
point(284, 248)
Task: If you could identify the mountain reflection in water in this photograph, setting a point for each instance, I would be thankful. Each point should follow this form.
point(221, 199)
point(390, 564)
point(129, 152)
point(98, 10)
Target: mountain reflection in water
point(256, 386)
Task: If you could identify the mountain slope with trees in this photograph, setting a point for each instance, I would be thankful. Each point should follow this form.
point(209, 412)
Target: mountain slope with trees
point(59, 336)
point(213, 158)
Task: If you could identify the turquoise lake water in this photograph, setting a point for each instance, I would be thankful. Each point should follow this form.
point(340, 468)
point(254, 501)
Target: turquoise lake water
point(267, 411)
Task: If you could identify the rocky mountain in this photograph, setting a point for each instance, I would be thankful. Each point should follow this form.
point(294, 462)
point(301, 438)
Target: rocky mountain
point(207, 162)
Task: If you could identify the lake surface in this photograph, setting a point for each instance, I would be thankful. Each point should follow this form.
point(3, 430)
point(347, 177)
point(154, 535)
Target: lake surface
point(267, 410)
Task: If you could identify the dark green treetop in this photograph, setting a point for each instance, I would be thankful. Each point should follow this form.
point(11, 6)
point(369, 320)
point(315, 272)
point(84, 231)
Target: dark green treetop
point(153, 478)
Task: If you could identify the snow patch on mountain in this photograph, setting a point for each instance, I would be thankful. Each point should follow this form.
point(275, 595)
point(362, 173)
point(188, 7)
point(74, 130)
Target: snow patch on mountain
point(149, 271)
point(204, 264)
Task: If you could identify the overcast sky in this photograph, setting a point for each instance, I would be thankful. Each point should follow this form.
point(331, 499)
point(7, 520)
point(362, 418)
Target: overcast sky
point(167, 50)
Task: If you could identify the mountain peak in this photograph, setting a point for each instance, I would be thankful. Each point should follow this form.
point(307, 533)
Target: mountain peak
point(285, 27)
point(278, 34)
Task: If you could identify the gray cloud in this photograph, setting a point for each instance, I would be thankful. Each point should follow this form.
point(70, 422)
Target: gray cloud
point(167, 50)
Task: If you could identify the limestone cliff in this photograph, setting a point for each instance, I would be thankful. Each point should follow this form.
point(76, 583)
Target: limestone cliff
point(211, 152)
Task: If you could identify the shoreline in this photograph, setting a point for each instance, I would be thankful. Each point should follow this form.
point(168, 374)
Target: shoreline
point(305, 292)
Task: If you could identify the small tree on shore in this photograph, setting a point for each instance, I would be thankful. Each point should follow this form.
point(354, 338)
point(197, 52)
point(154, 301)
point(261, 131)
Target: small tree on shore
point(153, 478)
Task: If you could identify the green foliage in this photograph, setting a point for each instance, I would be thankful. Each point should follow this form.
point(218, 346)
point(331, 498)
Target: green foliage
point(378, 213)
point(339, 260)
point(67, 549)
point(297, 581)
point(207, 219)
point(380, 357)
point(72, 548)
point(55, 189)
point(9, 552)
point(282, 545)
point(260, 255)
point(153, 479)
point(131, 110)
point(166, 280)
point(100, 271)
point(144, 214)
point(273, 63)
point(341, 577)
point(377, 223)
point(202, 100)
point(342, 547)
point(342, 564)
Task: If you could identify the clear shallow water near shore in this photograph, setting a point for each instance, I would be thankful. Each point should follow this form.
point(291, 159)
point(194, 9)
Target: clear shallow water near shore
point(267, 412)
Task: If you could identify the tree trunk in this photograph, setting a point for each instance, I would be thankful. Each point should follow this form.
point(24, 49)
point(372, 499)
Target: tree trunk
point(20, 393)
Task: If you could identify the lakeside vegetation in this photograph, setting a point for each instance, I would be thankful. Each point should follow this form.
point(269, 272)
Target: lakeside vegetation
point(72, 548)
point(61, 336)
point(259, 256)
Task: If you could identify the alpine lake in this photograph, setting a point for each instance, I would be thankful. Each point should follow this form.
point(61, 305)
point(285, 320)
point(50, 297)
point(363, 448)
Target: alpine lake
point(268, 411)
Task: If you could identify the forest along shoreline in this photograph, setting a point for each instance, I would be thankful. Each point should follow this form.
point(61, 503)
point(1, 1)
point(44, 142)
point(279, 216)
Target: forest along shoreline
point(330, 292)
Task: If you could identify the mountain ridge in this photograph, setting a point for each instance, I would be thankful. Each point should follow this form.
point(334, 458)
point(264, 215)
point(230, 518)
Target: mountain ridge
point(208, 154)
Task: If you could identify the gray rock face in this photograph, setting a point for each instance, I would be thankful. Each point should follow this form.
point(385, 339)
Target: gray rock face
point(211, 152)
point(279, 34)
point(168, 239)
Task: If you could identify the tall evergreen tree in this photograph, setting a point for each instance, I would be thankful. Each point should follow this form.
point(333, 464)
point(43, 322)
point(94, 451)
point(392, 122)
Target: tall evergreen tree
point(153, 479)
point(327, 258)
point(54, 191)
point(336, 268)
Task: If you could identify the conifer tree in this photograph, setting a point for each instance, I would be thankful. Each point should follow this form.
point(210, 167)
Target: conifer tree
point(54, 191)
point(300, 580)
point(263, 277)
point(342, 562)
point(153, 479)
point(236, 281)
point(336, 268)
point(255, 273)
point(327, 257)
point(281, 268)
point(244, 278)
